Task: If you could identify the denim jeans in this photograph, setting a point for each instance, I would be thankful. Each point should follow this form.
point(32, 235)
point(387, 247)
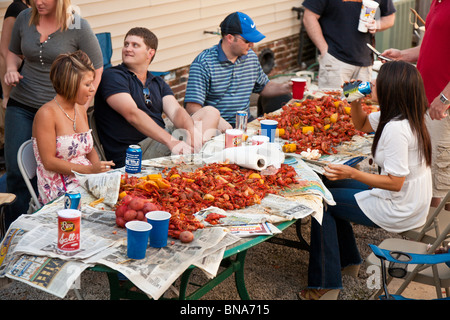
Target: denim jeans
point(333, 245)
point(18, 129)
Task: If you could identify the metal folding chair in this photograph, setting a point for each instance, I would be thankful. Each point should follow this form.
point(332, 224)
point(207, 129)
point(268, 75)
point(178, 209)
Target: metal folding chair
point(429, 272)
point(27, 166)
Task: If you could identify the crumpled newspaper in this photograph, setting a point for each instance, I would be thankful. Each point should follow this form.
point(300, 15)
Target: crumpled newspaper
point(102, 185)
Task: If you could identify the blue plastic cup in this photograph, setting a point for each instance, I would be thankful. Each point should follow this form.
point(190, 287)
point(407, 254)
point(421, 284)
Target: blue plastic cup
point(137, 238)
point(160, 228)
point(268, 128)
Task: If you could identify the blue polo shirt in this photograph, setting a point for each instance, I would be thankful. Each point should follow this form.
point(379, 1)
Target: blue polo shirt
point(114, 131)
point(216, 81)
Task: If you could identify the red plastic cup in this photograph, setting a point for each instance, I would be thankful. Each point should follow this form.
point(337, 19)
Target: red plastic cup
point(298, 88)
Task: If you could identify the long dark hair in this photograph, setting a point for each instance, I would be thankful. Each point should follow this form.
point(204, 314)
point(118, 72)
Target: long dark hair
point(401, 95)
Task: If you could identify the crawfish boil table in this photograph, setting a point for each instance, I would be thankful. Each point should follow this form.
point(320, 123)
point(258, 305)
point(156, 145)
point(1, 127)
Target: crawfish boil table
point(191, 191)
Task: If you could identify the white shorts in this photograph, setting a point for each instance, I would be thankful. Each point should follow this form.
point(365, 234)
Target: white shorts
point(333, 72)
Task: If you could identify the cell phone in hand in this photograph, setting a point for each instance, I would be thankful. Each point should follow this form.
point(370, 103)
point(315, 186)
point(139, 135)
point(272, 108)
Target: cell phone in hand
point(377, 53)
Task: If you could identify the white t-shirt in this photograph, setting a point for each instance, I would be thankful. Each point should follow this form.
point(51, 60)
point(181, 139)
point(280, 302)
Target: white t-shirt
point(397, 154)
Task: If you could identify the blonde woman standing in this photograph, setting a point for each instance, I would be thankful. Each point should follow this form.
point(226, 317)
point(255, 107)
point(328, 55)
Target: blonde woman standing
point(40, 34)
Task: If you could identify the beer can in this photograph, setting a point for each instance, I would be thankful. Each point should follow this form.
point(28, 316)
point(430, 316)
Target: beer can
point(133, 159)
point(233, 138)
point(69, 227)
point(72, 200)
point(241, 120)
point(356, 90)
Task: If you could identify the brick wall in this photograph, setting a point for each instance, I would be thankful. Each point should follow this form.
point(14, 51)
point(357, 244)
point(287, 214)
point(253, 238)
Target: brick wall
point(285, 57)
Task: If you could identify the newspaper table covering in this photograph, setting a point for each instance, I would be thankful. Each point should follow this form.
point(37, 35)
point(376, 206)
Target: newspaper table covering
point(28, 251)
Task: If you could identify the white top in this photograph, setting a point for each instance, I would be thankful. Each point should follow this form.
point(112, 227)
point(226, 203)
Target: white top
point(397, 154)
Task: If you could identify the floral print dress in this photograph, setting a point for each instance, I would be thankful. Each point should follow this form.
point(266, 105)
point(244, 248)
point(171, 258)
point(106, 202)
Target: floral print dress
point(72, 148)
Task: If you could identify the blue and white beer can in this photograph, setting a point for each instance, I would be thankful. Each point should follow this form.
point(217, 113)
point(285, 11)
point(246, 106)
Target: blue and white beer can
point(133, 159)
point(72, 200)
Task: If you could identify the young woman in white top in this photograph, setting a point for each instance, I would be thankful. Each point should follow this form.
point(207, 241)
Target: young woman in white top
point(396, 200)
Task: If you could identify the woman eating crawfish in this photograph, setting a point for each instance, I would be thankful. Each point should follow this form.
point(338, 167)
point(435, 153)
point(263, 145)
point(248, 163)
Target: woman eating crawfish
point(396, 200)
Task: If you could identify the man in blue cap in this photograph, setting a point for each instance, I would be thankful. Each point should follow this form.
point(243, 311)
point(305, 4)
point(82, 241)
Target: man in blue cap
point(225, 75)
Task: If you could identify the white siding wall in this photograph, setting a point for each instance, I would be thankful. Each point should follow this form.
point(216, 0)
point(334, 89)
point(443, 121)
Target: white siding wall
point(179, 24)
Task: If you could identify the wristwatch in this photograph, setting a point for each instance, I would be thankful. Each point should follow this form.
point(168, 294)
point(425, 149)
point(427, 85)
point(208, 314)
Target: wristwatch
point(444, 99)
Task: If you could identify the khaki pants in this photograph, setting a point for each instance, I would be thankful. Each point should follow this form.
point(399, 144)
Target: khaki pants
point(153, 149)
point(333, 72)
point(440, 141)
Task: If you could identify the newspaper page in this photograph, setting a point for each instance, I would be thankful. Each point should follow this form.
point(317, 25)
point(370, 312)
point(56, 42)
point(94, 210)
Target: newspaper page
point(54, 276)
point(309, 183)
point(273, 209)
point(162, 266)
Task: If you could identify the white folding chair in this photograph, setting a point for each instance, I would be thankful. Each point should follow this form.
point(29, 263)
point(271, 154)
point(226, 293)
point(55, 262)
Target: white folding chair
point(27, 165)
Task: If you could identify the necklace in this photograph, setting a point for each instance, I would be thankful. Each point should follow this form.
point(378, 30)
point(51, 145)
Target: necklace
point(74, 118)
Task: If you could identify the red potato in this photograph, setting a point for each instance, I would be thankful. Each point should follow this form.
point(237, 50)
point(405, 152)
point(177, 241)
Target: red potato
point(130, 215)
point(136, 203)
point(186, 236)
point(120, 211)
point(126, 200)
point(150, 206)
point(120, 222)
point(140, 216)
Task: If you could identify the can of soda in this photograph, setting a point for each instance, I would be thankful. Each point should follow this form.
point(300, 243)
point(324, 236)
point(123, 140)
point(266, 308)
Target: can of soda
point(133, 159)
point(72, 200)
point(356, 90)
point(241, 120)
point(69, 225)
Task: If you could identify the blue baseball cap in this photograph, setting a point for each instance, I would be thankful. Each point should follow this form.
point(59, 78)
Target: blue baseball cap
point(241, 24)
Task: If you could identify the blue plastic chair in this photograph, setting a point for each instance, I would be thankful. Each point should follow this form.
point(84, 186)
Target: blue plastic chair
point(397, 267)
point(104, 39)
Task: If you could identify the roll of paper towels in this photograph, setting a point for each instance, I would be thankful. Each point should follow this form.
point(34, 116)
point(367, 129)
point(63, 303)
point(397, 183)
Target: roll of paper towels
point(257, 157)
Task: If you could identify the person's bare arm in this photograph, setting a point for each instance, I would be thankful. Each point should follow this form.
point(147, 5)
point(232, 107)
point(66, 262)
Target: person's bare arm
point(387, 182)
point(7, 27)
point(124, 104)
point(192, 108)
point(359, 117)
point(408, 55)
point(314, 30)
point(273, 89)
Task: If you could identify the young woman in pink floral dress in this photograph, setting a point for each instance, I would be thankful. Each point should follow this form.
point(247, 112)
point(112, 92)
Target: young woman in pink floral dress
point(62, 140)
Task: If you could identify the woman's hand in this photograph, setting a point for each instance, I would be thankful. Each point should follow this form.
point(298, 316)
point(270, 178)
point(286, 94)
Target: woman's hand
point(12, 78)
point(102, 166)
point(339, 171)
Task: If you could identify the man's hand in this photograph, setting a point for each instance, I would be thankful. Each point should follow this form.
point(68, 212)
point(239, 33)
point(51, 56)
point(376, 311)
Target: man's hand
point(181, 147)
point(223, 125)
point(437, 109)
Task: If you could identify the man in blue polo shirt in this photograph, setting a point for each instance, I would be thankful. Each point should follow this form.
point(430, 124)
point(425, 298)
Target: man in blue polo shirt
point(130, 101)
point(225, 75)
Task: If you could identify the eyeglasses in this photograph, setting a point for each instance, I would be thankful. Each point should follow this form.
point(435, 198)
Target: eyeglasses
point(239, 37)
point(146, 93)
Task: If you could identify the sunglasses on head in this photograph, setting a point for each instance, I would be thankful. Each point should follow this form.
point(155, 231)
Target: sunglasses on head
point(146, 93)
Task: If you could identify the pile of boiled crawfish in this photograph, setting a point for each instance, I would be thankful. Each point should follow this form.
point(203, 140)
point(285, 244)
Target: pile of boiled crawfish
point(320, 123)
point(226, 186)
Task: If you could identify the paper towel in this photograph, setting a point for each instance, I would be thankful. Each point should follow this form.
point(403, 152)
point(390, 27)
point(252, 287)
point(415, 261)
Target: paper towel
point(257, 157)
